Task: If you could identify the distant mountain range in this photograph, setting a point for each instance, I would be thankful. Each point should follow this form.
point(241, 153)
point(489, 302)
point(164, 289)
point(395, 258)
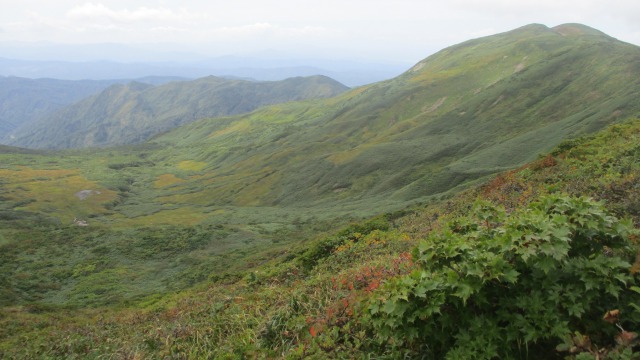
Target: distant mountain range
point(23, 101)
point(350, 73)
point(131, 113)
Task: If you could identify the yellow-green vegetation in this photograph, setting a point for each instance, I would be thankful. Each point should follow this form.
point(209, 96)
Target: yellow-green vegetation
point(236, 127)
point(58, 193)
point(190, 165)
point(165, 180)
point(183, 215)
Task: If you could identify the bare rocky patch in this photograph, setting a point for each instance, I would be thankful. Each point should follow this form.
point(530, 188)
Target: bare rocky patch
point(84, 194)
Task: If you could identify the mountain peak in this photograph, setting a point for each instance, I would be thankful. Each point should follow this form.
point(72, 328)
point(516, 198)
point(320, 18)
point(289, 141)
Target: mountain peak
point(529, 40)
point(568, 29)
point(526, 29)
point(573, 29)
point(533, 26)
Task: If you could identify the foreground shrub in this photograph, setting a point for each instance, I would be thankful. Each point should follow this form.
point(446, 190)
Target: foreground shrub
point(532, 284)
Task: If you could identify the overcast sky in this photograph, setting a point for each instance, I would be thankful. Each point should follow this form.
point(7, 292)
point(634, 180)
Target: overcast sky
point(392, 30)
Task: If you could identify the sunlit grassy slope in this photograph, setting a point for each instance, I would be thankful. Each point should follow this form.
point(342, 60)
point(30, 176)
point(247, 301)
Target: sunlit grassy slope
point(228, 193)
point(470, 110)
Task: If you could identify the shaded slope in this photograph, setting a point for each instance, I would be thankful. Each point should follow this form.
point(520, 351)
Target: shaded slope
point(23, 101)
point(131, 113)
point(4, 149)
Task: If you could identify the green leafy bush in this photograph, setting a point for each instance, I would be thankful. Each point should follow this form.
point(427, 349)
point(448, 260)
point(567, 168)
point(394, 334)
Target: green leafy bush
point(494, 285)
point(325, 247)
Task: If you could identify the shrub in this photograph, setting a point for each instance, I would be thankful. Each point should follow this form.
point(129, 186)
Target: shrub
point(498, 286)
point(325, 247)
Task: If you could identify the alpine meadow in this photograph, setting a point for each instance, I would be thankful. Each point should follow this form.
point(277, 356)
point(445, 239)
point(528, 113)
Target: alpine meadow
point(485, 204)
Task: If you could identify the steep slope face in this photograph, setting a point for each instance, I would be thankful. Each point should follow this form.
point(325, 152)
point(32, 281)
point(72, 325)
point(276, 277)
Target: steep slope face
point(468, 111)
point(23, 101)
point(131, 113)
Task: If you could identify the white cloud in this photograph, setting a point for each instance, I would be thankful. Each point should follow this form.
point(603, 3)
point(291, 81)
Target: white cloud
point(99, 11)
point(556, 11)
point(264, 28)
point(97, 22)
point(168, 29)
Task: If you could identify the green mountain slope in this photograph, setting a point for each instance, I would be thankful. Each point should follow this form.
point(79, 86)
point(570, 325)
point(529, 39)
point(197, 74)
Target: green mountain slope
point(131, 113)
point(468, 111)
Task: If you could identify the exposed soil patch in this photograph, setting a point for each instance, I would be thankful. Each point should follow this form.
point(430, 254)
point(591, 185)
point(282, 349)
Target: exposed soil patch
point(435, 106)
point(84, 194)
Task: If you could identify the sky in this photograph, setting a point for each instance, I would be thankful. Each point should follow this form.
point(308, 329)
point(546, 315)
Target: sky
point(402, 31)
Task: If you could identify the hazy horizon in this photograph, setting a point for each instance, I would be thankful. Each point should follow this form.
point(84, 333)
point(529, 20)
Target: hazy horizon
point(402, 32)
